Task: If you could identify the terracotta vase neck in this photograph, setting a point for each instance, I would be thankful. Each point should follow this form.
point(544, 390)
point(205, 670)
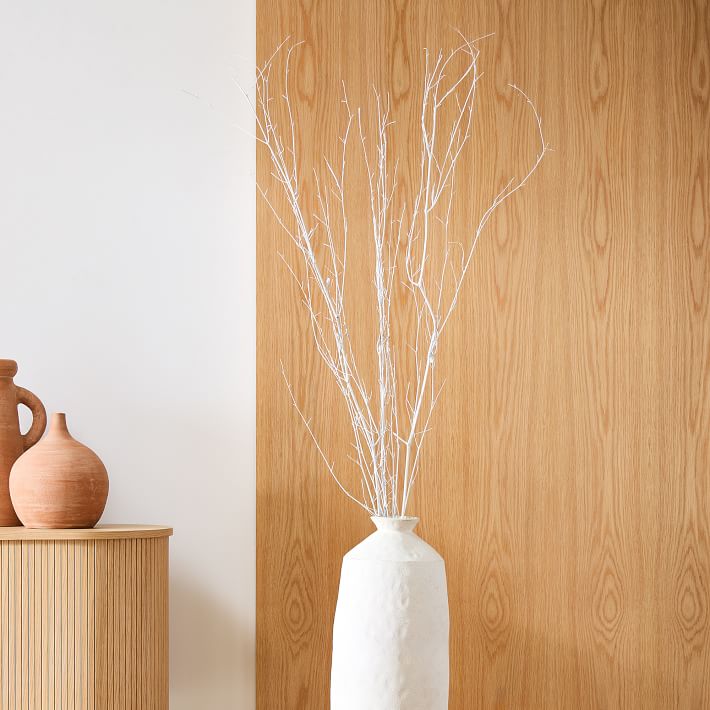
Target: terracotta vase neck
point(58, 425)
point(8, 368)
point(400, 524)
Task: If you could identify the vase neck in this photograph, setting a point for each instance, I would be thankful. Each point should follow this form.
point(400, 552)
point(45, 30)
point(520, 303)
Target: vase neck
point(399, 524)
point(58, 425)
point(8, 368)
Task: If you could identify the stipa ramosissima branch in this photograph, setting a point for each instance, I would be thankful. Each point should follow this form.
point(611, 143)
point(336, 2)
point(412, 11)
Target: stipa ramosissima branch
point(389, 425)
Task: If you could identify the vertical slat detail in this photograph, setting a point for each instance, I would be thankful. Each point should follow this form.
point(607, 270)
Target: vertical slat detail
point(138, 613)
point(4, 628)
point(83, 624)
point(52, 620)
point(36, 618)
point(45, 634)
point(16, 610)
point(131, 660)
point(102, 636)
point(150, 577)
point(25, 627)
point(91, 626)
point(62, 641)
point(164, 629)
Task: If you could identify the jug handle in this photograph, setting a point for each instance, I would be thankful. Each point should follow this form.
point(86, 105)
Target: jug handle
point(39, 416)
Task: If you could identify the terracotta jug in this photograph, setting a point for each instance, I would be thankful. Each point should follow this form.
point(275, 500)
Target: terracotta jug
point(12, 442)
point(59, 483)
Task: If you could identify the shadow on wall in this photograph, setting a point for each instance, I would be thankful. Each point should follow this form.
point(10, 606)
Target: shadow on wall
point(212, 653)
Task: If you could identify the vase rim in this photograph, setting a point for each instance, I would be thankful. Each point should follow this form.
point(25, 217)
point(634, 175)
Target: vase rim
point(394, 517)
point(8, 368)
point(58, 423)
point(395, 523)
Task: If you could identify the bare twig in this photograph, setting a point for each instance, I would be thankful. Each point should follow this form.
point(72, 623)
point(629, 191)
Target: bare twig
point(388, 433)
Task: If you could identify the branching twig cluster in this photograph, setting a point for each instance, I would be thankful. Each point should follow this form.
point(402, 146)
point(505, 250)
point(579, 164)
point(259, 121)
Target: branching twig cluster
point(389, 424)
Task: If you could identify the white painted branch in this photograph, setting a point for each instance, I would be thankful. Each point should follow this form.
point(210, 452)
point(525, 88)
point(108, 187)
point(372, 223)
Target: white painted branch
point(387, 446)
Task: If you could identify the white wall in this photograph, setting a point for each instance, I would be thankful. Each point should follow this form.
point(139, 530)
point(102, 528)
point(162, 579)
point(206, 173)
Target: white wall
point(127, 284)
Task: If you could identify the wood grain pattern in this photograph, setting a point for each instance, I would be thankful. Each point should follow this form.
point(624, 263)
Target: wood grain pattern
point(84, 622)
point(567, 482)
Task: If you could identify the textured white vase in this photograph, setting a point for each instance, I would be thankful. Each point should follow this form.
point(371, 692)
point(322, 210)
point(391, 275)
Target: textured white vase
point(391, 629)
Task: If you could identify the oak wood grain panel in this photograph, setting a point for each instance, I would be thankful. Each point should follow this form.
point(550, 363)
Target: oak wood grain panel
point(567, 480)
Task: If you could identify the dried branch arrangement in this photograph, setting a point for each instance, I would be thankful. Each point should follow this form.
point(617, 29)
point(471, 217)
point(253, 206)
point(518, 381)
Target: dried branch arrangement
point(412, 247)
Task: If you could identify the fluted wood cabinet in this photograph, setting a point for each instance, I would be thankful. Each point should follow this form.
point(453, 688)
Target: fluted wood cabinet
point(84, 618)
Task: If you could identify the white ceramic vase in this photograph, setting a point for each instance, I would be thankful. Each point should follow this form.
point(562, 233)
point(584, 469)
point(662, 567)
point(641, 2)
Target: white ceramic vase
point(391, 629)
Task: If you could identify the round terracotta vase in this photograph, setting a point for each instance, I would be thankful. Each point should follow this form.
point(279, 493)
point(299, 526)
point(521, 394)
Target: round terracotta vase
point(59, 483)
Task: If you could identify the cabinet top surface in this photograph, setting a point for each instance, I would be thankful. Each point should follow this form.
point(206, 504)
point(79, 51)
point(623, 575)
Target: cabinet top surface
point(100, 532)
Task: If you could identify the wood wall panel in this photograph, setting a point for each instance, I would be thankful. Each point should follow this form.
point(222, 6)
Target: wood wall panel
point(567, 481)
